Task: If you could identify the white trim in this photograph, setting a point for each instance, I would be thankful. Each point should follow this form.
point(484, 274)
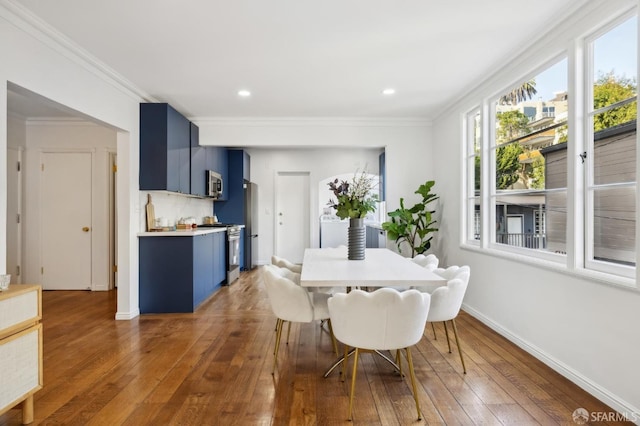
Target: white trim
point(311, 121)
point(123, 316)
point(565, 370)
point(24, 19)
point(524, 256)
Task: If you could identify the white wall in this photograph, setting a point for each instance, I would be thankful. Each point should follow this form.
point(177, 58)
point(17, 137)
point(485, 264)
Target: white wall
point(173, 207)
point(586, 330)
point(31, 60)
point(328, 144)
point(320, 163)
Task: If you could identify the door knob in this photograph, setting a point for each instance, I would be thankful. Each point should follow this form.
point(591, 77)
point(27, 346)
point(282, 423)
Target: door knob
point(85, 229)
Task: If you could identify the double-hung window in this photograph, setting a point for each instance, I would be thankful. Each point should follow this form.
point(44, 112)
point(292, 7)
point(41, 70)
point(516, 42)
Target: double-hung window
point(553, 170)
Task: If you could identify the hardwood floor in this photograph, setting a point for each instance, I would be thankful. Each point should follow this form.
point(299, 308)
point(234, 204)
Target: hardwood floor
point(213, 367)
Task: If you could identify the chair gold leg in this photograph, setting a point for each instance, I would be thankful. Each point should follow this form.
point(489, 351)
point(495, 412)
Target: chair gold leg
point(278, 325)
point(446, 333)
point(399, 362)
point(413, 382)
point(435, 336)
point(289, 332)
point(455, 333)
point(278, 338)
point(333, 338)
point(353, 381)
point(345, 361)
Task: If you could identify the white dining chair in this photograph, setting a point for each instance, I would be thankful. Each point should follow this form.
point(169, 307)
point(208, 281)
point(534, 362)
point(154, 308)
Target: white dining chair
point(385, 319)
point(284, 263)
point(446, 302)
point(292, 303)
point(429, 261)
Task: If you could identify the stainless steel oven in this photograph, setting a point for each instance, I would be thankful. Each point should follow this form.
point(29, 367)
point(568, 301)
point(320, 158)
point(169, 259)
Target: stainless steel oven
point(233, 253)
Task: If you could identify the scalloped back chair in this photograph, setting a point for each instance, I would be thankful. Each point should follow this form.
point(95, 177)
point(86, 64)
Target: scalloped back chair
point(284, 263)
point(446, 302)
point(385, 319)
point(292, 303)
point(429, 261)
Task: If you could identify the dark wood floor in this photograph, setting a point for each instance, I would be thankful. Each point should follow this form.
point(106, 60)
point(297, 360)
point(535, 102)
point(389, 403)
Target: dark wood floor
point(214, 368)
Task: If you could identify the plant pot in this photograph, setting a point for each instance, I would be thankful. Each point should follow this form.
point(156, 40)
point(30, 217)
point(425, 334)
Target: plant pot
point(356, 239)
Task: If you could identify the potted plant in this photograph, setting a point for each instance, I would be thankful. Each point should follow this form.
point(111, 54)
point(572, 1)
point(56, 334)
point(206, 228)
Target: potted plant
point(413, 225)
point(353, 200)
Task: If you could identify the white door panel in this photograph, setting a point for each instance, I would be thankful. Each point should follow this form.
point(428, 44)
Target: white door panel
point(66, 221)
point(292, 215)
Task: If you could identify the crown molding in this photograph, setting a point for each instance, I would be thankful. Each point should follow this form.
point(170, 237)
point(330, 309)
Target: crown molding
point(60, 121)
point(311, 121)
point(25, 20)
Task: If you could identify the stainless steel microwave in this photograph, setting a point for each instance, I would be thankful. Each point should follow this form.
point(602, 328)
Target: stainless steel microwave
point(214, 185)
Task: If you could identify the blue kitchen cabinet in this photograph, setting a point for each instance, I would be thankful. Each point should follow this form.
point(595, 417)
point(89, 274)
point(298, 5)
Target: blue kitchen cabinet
point(219, 258)
point(382, 173)
point(217, 161)
point(198, 163)
point(165, 149)
point(232, 210)
point(178, 273)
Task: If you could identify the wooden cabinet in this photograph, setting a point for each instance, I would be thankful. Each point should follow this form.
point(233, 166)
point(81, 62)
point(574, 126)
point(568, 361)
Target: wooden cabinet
point(20, 348)
point(178, 273)
point(165, 149)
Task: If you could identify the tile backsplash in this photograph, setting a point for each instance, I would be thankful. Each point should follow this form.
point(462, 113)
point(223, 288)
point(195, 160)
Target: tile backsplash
point(173, 207)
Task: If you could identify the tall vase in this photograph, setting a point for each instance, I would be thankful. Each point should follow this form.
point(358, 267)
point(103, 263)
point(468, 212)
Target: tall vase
point(357, 239)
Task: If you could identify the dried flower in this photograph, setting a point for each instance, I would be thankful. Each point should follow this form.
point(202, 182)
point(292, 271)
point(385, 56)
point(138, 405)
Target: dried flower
point(354, 199)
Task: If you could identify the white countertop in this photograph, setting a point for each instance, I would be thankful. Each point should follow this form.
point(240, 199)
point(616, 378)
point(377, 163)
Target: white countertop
point(380, 268)
point(182, 233)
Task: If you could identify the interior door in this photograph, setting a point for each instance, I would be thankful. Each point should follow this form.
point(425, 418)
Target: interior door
point(14, 207)
point(292, 215)
point(66, 220)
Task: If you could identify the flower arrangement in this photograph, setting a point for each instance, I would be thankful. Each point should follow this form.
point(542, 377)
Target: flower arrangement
point(354, 199)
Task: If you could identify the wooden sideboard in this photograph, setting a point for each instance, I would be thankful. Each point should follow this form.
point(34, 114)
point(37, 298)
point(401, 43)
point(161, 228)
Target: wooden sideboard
point(20, 348)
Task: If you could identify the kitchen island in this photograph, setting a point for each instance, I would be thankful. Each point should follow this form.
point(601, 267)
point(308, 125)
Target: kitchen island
point(180, 269)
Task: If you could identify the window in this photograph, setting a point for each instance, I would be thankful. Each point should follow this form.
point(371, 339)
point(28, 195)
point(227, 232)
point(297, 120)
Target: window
point(473, 134)
point(610, 157)
point(530, 129)
point(535, 169)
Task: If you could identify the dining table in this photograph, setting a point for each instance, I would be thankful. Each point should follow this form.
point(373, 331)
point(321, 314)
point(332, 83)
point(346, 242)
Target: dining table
point(381, 267)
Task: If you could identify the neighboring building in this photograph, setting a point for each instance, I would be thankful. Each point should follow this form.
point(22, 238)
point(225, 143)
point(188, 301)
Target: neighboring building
point(614, 156)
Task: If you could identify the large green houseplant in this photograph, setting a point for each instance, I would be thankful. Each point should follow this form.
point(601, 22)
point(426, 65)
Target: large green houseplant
point(413, 225)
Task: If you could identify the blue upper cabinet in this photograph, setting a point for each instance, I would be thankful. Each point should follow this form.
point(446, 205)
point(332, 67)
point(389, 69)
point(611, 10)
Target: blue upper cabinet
point(232, 210)
point(198, 163)
point(165, 149)
point(217, 161)
point(382, 172)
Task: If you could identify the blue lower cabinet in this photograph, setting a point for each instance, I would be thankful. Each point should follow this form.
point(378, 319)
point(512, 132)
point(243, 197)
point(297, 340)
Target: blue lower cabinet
point(177, 274)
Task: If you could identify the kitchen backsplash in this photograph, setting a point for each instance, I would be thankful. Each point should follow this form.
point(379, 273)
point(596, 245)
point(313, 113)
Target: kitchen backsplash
point(173, 207)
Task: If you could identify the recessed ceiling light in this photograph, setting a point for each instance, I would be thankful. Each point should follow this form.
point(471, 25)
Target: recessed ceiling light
point(244, 93)
point(389, 92)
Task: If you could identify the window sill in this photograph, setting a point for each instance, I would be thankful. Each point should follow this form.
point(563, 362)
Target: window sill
point(595, 276)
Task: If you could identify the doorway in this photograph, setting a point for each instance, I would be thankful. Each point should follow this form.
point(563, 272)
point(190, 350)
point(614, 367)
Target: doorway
point(65, 220)
point(14, 213)
point(292, 233)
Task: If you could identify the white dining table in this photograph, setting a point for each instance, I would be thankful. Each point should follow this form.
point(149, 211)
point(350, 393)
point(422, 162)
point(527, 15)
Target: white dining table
point(330, 267)
point(381, 267)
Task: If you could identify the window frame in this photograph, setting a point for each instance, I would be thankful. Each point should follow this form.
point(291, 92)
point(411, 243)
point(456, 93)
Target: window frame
point(577, 52)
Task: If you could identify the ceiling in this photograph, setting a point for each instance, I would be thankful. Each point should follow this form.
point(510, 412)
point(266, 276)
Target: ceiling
point(329, 58)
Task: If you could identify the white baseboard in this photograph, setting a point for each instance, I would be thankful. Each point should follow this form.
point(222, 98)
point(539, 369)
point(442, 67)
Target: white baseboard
point(612, 400)
point(128, 315)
